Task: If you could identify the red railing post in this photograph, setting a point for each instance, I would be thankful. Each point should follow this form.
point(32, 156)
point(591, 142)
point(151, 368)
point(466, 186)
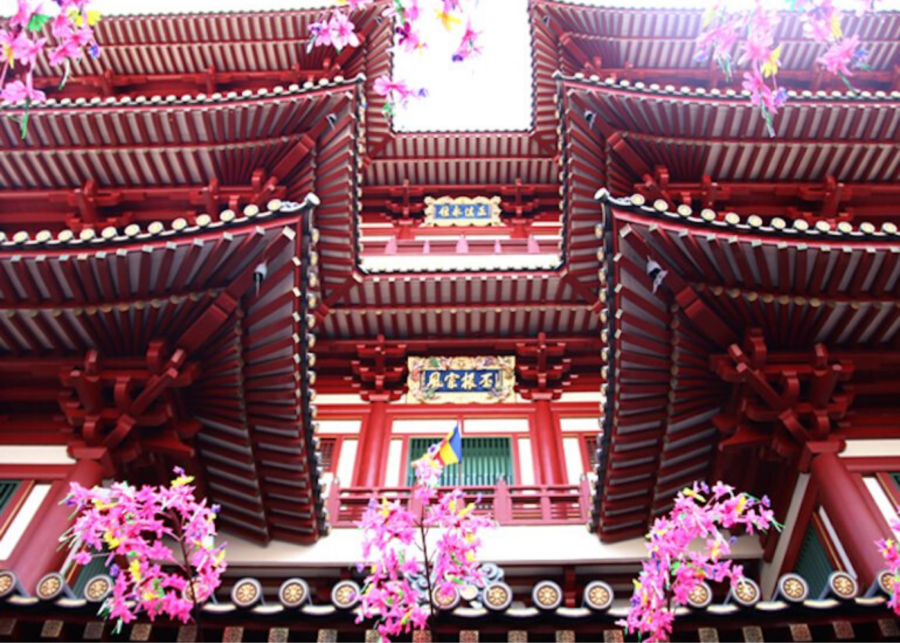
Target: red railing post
point(502, 503)
point(585, 499)
point(333, 504)
point(546, 509)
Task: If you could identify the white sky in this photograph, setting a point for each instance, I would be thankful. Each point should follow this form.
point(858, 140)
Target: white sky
point(491, 92)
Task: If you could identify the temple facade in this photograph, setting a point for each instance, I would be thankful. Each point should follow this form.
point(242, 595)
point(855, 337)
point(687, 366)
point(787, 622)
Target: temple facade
point(217, 253)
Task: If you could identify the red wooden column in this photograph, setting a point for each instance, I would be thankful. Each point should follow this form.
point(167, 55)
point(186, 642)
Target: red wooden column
point(858, 527)
point(38, 552)
point(374, 442)
point(546, 442)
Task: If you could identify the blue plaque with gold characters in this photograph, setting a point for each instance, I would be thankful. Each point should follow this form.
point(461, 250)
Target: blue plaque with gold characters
point(461, 380)
point(462, 211)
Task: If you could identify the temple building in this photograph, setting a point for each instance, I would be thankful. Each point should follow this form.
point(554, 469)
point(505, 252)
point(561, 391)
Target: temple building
point(216, 252)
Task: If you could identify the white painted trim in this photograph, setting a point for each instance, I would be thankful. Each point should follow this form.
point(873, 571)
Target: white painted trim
point(394, 471)
point(339, 427)
point(43, 454)
point(502, 425)
point(833, 537)
point(579, 425)
point(439, 262)
point(437, 426)
point(324, 399)
point(347, 462)
point(871, 449)
point(23, 518)
point(885, 506)
point(526, 460)
point(574, 461)
point(562, 544)
point(771, 571)
point(580, 396)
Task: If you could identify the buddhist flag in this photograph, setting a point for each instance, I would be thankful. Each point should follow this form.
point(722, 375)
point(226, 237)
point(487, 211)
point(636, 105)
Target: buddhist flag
point(449, 451)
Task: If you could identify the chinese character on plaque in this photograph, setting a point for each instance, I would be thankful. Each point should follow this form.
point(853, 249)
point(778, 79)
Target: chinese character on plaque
point(461, 380)
point(462, 211)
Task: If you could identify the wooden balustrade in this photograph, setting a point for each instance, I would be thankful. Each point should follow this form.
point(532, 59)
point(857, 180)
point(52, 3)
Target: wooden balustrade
point(507, 504)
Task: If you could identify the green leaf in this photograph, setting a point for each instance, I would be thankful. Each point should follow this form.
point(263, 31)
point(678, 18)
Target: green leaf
point(37, 22)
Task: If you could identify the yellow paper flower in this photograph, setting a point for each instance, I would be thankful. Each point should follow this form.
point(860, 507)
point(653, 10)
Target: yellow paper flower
point(770, 67)
point(448, 20)
point(836, 30)
point(180, 481)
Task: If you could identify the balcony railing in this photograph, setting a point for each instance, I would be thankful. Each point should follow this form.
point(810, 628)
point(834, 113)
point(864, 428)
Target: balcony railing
point(507, 504)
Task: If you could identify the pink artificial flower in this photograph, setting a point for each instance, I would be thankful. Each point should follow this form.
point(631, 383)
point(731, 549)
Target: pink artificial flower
point(408, 39)
point(342, 31)
point(26, 10)
point(68, 50)
point(24, 50)
point(468, 45)
point(320, 34)
point(840, 55)
point(18, 92)
point(82, 557)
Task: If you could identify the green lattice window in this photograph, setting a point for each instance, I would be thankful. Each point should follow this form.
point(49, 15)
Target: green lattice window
point(813, 562)
point(485, 460)
point(7, 491)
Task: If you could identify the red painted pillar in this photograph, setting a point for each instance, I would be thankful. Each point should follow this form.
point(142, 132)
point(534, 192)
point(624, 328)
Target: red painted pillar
point(371, 459)
point(848, 508)
point(38, 551)
point(546, 443)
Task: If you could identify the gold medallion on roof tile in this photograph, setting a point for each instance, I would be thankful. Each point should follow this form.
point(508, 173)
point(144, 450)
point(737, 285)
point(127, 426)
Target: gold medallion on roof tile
point(547, 595)
point(497, 596)
point(793, 588)
point(49, 587)
point(700, 596)
point(746, 593)
point(293, 593)
point(843, 585)
point(97, 588)
point(445, 600)
point(345, 594)
point(245, 593)
point(886, 581)
point(7, 583)
point(196, 587)
point(599, 596)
